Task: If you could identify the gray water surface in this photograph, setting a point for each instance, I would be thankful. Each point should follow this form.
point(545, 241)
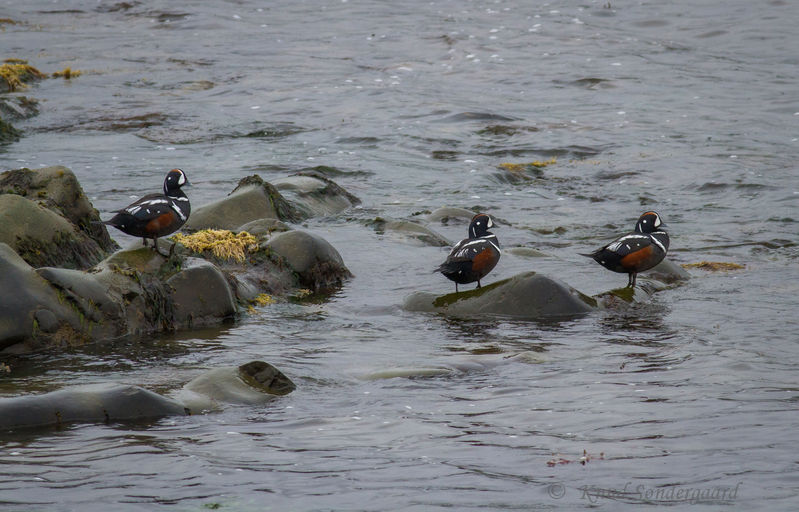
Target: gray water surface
point(687, 107)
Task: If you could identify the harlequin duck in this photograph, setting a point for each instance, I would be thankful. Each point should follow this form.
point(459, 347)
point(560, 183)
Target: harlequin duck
point(156, 215)
point(637, 251)
point(474, 257)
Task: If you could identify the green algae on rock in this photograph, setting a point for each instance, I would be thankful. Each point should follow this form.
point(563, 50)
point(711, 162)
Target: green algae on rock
point(528, 295)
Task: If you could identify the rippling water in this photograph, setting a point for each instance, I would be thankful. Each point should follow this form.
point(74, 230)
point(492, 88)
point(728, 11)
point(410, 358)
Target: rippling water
point(687, 107)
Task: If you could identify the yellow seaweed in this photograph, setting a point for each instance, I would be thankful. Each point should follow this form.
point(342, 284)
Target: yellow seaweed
point(67, 73)
point(714, 266)
point(222, 243)
point(538, 164)
point(16, 72)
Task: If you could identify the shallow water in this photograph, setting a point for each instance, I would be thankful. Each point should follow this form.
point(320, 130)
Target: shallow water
point(685, 107)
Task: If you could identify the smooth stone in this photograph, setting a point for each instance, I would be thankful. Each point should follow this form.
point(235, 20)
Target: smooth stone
point(525, 296)
point(253, 383)
point(263, 227)
point(315, 193)
point(31, 293)
point(667, 271)
point(83, 288)
point(200, 295)
point(91, 403)
point(410, 231)
point(318, 264)
point(251, 200)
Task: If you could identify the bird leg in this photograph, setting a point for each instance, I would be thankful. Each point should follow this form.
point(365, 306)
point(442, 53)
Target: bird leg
point(478, 284)
point(631, 280)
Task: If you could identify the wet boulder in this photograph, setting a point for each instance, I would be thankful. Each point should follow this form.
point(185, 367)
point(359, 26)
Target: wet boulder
point(32, 313)
point(57, 189)
point(253, 383)
point(317, 264)
point(315, 194)
point(251, 200)
point(667, 271)
point(200, 294)
point(42, 237)
point(101, 403)
point(528, 296)
point(408, 231)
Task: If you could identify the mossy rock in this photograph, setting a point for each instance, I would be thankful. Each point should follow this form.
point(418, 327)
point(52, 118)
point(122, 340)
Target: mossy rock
point(57, 189)
point(527, 296)
point(42, 237)
point(33, 315)
point(8, 133)
point(251, 200)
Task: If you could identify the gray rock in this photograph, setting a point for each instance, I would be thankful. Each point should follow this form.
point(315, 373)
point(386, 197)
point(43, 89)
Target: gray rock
point(263, 227)
point(525, 296)
point(406, 230)
point(42, 237)
point(26, 299)
point(315, 194)
point(57, 189)
point(318, 264)
point(85, 291)
point(105, 403)
point(251, 200)
point(667, 271)
point(448, 213)
point(201, 295)
point(253, 383)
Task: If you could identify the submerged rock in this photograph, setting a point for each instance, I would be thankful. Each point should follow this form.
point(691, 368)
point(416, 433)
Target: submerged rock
point(95, 403)
point(525, 296)
point(252, 383)
point(408, 230)
point(448, 213)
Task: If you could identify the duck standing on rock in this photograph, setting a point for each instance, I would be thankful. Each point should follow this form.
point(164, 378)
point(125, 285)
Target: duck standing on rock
point(156, 215)
point(474, 257)
point(637, 251)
